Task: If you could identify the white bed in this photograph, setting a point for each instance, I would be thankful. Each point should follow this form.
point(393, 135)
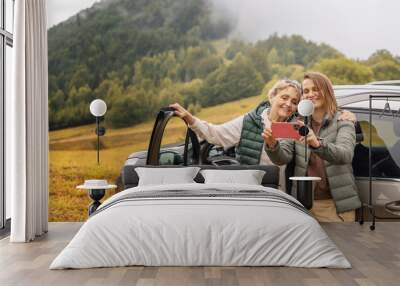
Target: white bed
point(206, 230)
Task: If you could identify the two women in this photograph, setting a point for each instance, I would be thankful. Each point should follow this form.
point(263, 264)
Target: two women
point(330, 155)
point(244, 132)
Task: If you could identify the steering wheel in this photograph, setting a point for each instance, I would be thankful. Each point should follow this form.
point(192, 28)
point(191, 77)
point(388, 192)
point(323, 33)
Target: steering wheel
point(218, 160)
point(224, 160)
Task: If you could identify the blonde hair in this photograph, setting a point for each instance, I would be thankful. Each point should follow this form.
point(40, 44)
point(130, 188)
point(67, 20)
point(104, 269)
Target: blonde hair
point(325, 86)
point(283, 84)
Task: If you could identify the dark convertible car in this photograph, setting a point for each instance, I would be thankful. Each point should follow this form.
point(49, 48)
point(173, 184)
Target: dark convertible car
point(384, 140)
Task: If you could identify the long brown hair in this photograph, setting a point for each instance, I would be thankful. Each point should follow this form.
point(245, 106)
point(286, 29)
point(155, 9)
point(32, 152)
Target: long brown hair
point(325, 86)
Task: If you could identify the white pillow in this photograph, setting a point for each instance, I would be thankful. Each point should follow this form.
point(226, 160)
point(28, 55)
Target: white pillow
point(248, 177)
point(166, 176)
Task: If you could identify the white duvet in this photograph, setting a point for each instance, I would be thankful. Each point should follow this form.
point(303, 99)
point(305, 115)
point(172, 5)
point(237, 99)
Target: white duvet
point(200, 231)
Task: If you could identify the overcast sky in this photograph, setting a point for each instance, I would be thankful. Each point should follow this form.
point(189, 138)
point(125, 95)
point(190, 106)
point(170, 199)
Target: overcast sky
point(355, 27)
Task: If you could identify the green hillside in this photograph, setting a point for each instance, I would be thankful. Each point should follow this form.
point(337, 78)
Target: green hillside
point(106, 40)
point(139, 55)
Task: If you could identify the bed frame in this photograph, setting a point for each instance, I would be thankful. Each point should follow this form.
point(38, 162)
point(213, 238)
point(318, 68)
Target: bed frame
point(130, 178)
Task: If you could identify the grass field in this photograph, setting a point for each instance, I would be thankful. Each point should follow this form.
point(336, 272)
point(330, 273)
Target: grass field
point(73, 156)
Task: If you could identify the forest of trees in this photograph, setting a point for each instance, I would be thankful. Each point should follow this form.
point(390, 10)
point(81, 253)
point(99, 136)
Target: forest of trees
point(140, 55)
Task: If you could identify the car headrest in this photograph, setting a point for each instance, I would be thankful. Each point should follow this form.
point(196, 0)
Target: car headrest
point(130, 178)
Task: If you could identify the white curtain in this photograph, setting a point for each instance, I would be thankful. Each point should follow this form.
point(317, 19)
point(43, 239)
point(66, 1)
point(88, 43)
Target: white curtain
point(27, 123)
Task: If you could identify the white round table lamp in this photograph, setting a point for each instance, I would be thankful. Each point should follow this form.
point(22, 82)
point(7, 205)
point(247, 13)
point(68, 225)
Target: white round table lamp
point(98, 108)
point(304, 184)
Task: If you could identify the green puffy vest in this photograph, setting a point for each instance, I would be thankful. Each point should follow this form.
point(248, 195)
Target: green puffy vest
point(251, 142)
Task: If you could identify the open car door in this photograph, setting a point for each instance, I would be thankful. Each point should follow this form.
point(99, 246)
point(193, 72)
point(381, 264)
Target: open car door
point(193, 151)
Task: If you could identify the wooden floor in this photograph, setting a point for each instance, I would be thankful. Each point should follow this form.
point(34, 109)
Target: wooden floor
point(375, 257)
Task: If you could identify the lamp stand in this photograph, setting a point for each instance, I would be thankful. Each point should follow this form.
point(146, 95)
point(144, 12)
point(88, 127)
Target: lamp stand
point(305, 141)
point(98, 139)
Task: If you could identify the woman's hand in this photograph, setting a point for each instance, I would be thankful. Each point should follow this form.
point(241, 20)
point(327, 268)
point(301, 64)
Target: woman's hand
point(346, 115)
point(312, 139)
point(183, 113)
point(269, 139)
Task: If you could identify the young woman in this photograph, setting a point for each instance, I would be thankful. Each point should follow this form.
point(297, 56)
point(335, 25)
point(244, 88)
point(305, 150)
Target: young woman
point(331, 151)
point(244, 132)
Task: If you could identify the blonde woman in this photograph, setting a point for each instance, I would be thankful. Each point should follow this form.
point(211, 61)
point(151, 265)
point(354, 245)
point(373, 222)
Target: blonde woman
point(244, 132)
point(331, 151)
